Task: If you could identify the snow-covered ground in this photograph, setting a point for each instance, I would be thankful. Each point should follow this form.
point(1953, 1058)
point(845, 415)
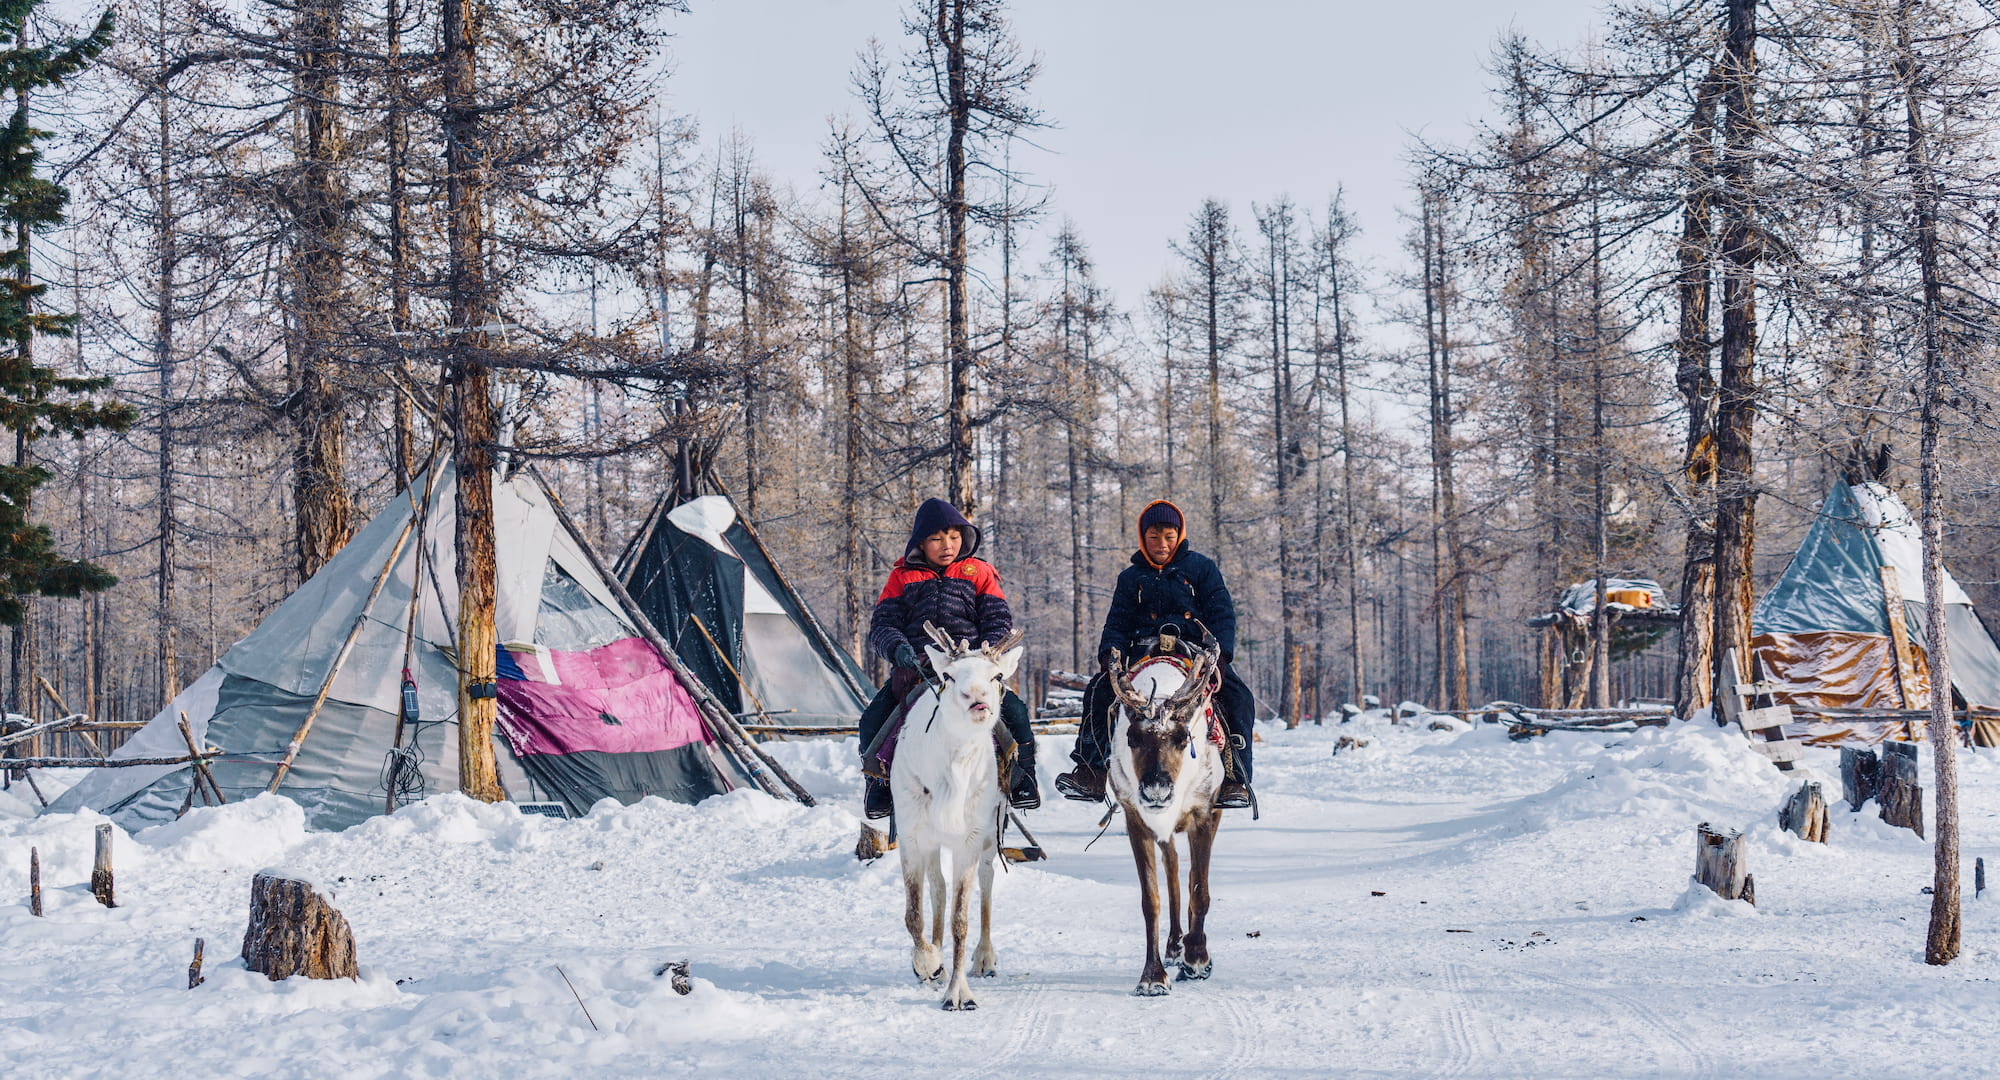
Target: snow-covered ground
point(1561, 862)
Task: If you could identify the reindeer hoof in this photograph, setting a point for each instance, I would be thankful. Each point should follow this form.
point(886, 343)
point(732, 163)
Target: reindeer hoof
point(961, 1005)
point(1173, 953)
point(935, 976)
point(1150, 989)
point(1196, 971)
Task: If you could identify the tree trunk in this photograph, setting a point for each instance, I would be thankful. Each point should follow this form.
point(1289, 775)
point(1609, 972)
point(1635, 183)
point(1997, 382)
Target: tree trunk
point(474, 427)
point(1694, 671)
point(850, 471)
point(1736, 397)
point(319, 479)
point(951, 33)
point(1600, 628)
point(1941, 944)
point(403, 436)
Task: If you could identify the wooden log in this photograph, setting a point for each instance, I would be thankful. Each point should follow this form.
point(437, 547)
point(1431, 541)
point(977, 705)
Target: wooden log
point(100, 870)
point(1901, 795)
point(1721, 864)
point(93, 763)
point(35, 881)
point(1068, 680)
point(1978, 878)
point(1860, 775)
point(194, 970)
point(1805, 813)
point(26, 734)
point(296, 931)
point(201, 773)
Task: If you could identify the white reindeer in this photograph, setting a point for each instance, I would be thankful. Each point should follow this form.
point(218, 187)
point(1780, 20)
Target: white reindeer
point(947, 786)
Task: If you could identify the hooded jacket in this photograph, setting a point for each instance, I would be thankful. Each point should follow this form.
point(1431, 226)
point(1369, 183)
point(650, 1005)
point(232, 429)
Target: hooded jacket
point(963, 599)
point(1185, 590)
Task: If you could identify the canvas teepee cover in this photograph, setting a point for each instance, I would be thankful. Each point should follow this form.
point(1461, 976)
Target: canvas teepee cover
point(588, 710)
point(699, 567)
point(1824, 628)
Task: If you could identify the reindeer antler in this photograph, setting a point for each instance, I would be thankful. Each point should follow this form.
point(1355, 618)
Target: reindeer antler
point(942, 640)
point(994, 651)
point(1121, 687)
point(1197, 681)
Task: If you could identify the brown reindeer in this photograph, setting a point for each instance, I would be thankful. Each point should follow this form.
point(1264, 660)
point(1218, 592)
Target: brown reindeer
point(1164, 772)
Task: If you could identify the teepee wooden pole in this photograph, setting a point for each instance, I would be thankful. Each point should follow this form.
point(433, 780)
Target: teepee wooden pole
point(340, 659)
point(724, 725)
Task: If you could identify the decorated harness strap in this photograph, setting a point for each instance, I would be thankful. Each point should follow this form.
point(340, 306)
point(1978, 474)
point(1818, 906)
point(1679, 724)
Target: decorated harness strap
point(1218, 733)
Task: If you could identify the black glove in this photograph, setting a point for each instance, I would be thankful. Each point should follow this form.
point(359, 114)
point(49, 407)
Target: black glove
point(906, 656)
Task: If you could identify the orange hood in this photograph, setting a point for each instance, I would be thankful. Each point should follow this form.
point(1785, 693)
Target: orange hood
point(1142, 530)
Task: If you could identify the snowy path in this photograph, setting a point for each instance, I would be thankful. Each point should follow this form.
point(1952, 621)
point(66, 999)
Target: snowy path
point(1534, 922)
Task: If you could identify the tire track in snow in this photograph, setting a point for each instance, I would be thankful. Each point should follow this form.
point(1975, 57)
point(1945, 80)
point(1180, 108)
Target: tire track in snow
point(1028, 1030)
point(1471, 1043)
point(1245, 1037)
point(1699, 1065)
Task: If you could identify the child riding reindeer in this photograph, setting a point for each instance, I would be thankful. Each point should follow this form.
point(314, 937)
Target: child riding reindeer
point(1168, 585)
point(940, 582)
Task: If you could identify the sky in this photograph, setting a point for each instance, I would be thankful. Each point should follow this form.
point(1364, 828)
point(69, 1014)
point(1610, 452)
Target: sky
point(1158, 104)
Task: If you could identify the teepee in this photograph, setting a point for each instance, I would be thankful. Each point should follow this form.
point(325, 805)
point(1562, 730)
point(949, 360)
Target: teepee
point(314, 703)
point(1824, 632)
point(700, 574)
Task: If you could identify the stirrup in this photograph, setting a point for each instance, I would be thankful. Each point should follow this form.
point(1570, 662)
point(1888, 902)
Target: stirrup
point(877, 800)
point(1075, 784)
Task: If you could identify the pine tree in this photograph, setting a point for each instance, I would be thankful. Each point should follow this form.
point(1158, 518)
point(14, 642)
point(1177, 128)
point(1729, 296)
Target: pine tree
point(36, 401)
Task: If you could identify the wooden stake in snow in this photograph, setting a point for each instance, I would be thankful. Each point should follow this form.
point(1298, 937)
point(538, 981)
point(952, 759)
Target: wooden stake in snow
point(1805, 813)
point(1899, 793)
point(194, 970)
point(1860, 771)
point(296, 931)
point(35, 881)
point(100, 871)
point(1720, 863)
point(1978, 879)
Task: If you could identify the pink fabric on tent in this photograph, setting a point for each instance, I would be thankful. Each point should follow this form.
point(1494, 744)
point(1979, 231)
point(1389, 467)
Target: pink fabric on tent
point(619, 698)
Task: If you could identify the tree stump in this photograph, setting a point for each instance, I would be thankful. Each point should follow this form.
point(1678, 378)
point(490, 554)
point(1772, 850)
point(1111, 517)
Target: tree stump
point(1859, 774)
point(1805, 813)
point(296, 931)
point(100, 870)
point(1720, 863)
point(1898, 791)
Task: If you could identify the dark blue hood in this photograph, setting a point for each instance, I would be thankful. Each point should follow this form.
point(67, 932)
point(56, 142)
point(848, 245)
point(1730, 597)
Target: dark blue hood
point(937, 515)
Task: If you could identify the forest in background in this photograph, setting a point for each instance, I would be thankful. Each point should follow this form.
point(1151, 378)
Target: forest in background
point(1685, 275)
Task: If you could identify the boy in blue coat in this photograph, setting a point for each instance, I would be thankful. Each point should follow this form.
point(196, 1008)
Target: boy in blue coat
point(1168, 584)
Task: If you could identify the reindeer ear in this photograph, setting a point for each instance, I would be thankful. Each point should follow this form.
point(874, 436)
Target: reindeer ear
point(939, 658)
point(1009, 661)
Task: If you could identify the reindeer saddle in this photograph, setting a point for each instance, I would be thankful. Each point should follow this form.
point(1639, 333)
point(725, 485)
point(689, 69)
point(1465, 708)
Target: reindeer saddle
point(881, 753)
point(1218, 732)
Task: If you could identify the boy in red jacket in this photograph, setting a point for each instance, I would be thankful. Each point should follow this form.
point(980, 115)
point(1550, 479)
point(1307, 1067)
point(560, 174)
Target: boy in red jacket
point(940, 582)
